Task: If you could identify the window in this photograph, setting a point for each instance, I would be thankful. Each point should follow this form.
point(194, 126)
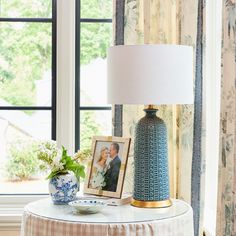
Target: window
point(93, 37)
point(27, 91)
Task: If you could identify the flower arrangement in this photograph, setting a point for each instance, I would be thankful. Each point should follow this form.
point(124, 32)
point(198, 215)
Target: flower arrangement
point(58, 161)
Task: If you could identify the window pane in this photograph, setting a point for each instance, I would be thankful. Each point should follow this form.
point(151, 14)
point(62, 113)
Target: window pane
point(95, 40)
point(25, 64)
point(96, 9)
point(20, 132)
point(94, 123)
point(25, 8)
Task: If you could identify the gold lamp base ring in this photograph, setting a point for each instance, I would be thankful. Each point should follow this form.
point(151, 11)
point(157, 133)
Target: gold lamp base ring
point(151, 204)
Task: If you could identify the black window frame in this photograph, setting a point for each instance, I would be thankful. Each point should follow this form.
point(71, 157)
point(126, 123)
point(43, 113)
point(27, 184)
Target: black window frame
point(52, 108)
point(78, 107)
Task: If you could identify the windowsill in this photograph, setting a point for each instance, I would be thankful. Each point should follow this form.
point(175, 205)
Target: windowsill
point(11, 209)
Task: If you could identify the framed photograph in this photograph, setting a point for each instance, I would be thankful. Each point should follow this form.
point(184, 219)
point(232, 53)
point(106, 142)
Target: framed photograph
point(106, 170)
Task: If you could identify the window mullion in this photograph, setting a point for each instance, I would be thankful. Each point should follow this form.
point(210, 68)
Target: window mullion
point(66, 74)
point(54, 70)
point(93, 20)
point(21, 108)
point(97, 108)
point(36, 20)
point(77, 75)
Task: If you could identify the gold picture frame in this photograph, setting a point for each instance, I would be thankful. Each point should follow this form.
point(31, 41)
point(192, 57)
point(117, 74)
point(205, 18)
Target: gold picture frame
point(106, 171)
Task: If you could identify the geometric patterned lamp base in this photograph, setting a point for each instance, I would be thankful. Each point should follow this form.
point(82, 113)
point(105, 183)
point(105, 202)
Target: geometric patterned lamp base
point(151, 204)
point(151, 177)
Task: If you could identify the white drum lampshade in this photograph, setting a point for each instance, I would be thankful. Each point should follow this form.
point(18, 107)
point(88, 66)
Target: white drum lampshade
point(150, 74)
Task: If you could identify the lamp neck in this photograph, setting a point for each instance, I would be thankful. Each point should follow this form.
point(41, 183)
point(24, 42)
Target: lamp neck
point(150, 112)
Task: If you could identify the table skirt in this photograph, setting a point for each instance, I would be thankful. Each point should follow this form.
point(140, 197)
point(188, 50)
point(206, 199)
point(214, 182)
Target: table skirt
point(33, 225)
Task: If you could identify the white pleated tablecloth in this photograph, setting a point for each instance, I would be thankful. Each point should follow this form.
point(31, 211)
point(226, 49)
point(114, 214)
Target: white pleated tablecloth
point(42, 218)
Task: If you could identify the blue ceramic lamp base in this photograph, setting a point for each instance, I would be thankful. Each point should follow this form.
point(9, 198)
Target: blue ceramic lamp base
point(151, 177)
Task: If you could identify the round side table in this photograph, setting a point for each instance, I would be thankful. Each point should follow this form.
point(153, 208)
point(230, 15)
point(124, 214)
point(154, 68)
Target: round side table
point(42, 218)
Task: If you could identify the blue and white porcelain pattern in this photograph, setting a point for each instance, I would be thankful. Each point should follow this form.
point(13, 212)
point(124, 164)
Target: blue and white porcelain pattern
point(63, 188)
point(87, 206)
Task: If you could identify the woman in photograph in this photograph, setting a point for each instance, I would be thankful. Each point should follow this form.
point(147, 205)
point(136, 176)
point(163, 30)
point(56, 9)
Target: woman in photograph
point(99, 169)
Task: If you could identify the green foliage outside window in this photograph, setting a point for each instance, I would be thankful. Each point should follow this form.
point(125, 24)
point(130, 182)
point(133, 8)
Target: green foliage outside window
point(25, 50)
point(23, 163)
point(25, 55)
point(88, 129)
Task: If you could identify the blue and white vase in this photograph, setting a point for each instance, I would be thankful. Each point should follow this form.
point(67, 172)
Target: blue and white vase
point(63, 188)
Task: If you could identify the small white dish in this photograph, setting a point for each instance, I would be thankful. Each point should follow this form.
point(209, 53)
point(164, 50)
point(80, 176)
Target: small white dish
point(88, 206)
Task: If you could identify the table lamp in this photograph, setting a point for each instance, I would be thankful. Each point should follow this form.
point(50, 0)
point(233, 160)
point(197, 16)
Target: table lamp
point(150, 75)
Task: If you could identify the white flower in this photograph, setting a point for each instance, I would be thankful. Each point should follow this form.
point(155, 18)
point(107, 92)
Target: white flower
point(56, 163)
point(59, 166)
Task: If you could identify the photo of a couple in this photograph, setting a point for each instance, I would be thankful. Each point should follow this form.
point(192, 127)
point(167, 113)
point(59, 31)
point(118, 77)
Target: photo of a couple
point(106, 171)
point(106, 167)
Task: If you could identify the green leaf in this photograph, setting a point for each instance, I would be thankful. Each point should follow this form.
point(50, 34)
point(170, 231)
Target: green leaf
point(52, 174)
point(82, 173)
point(64, 152)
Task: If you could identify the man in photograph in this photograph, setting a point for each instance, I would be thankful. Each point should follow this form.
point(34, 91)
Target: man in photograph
point(112, 173)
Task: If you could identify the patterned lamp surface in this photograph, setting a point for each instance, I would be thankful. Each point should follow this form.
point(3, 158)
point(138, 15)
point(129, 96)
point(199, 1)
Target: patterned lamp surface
point(150, 74)
point(151, 179)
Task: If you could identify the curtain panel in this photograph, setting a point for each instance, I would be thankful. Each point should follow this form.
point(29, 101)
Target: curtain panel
point(226, 217)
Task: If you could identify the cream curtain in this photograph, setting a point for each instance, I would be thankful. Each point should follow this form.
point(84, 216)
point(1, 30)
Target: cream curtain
point(226, 217)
